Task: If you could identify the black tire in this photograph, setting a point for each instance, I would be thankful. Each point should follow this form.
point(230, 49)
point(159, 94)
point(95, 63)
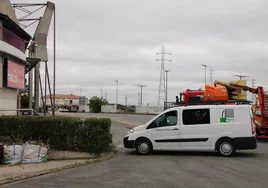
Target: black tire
point(226, 147)
point(143, 146)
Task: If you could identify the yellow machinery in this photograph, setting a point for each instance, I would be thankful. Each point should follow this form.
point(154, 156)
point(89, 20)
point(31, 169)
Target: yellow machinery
point(234, 93)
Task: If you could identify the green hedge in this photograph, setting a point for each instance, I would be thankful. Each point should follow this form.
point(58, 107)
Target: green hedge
point(63, 133)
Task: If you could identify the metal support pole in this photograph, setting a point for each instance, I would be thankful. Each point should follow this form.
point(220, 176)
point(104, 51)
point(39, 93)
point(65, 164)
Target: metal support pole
point(49, 85)
point(126, 103)
point(166, 85)
point(211, 75)
point(36, 77)
point(141, 92)
point(116, 92)
point(30, 84)
point(54, 58)
point(45, 94)
point(205, 73)
point(126, 100)
point(42, 96)
point(141, 96)
point(36, 87)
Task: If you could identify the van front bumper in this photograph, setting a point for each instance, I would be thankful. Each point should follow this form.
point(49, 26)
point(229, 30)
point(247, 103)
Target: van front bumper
point(129, 143)
point(243, 143)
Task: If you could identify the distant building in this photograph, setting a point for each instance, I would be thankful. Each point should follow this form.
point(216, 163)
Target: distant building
point(67, 101)
point(13, 62)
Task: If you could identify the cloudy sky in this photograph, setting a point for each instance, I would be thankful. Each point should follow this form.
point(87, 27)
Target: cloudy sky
point(100, 41)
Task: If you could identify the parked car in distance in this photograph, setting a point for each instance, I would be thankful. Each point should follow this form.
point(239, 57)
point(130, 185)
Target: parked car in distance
point(63, 110)
point(221, 128)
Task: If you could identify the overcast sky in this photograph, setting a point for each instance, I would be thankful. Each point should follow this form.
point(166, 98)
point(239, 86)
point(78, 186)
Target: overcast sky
point(99, 41)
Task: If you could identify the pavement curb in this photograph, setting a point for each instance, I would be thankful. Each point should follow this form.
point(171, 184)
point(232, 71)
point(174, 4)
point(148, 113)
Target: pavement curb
point(58, 169)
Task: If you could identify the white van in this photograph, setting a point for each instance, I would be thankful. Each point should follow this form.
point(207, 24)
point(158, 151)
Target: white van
point(220, 128)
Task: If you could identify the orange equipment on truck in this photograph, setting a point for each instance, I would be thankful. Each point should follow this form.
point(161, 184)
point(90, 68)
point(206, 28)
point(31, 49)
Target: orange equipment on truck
point(189, 95)
point(215, 92)
point(219, 92)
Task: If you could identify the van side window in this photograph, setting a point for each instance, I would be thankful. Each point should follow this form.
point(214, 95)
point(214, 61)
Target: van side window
point(168, 119)
point(171, 118)
point(196, 116)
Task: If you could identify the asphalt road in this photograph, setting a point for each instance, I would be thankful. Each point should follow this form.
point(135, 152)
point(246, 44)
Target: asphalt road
point(164, 169)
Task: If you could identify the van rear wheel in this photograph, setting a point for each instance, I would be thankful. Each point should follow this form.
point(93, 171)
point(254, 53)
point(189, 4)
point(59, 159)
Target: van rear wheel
point(144, 146)
point(226, 147)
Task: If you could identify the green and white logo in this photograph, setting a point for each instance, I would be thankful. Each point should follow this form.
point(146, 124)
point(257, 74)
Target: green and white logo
point(227, 115)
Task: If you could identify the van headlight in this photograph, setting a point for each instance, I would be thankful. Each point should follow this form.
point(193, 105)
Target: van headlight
point(131, 131)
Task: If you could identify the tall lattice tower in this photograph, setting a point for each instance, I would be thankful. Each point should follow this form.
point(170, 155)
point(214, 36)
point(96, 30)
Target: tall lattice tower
point(162, 83)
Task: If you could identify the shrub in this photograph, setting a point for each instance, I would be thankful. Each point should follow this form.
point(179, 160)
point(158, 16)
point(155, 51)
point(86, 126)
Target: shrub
point(102, 136)
point(96, 102)
point(64, 133)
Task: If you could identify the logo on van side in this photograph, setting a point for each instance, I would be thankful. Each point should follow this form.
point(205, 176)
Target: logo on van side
point(227, 115)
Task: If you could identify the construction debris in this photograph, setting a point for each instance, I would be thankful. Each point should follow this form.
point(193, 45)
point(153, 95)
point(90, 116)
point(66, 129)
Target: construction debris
point(26, 153)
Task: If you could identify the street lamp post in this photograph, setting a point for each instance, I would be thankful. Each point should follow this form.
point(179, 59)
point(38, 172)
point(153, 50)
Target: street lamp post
point(116, 92)
point(126, 101)
point(126, 97)
point(205, 73)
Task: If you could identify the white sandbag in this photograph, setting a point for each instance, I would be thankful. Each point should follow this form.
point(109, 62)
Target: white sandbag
point(34, 153)
point(13, 154)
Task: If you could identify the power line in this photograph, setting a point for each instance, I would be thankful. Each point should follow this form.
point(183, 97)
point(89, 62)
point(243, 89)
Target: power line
point(161, 92)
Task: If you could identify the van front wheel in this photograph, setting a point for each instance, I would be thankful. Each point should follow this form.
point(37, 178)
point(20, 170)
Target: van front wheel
point(144, 146)
point(226, 147)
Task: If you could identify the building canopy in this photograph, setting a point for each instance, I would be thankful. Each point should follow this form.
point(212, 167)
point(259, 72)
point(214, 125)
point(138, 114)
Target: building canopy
point(15, 28)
